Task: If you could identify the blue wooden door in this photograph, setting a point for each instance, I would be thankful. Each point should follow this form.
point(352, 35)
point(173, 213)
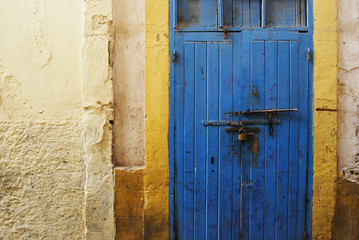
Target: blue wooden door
point(253, 80)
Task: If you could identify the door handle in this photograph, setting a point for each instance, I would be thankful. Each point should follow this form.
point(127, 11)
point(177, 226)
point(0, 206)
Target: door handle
point(270, 115)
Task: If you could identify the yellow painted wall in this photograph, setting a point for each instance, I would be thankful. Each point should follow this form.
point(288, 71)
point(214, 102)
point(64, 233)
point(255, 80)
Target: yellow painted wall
point(325, 121)
point(156, 112)
point(156, 119)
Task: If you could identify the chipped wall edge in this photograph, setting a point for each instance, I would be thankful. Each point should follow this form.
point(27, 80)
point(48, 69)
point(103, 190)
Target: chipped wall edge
point(96, 121)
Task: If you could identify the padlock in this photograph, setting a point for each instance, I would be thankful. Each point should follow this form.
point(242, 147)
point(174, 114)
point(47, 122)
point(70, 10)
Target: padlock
point(242, 135)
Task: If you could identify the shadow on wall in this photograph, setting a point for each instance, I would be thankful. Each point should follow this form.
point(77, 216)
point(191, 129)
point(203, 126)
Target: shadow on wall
point(347, 210)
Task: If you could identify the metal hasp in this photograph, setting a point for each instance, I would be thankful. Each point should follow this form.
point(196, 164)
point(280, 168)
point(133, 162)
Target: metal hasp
point(270, 115)
point(244, 133)
point(238, 123)
point(249, 130)
point(174, 55)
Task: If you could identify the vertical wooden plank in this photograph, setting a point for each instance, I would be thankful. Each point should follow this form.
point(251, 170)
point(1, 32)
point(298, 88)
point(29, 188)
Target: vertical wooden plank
point(225, 162)
point(237, 13)
point(236, 171)
point(277, 9)
point(303, 12)
point(207, 13)
point(297, 13)
point(269, 13)
point(200, 140)
point(263, 12)
point(294, 138)
point(289, 10)
point(258, 145)
point(271, 142)
point(174, 13)
point(255, 11)
point(283, 138)
point(220, 13)
point(189, 143)
point(303, 135)
point(246, 13)
point(228, 13)
point(245, 93)
point(179, 139)
point(212, 141)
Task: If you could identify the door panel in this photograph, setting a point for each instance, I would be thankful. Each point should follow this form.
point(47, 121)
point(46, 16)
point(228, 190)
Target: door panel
point(277, 76)
point(206, 166)
point(231, 189)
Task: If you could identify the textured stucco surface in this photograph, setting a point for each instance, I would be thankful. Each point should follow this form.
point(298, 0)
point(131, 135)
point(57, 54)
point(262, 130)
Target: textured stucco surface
point(128, 73)
point(41, 180)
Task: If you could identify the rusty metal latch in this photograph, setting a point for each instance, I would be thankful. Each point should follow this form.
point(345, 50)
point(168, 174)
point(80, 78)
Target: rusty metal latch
point(238, 123)
point(270, 115)
point(269, 111)
point(174, 56)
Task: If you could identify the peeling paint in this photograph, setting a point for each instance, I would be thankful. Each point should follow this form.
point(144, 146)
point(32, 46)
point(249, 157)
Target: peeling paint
point(347, 219)
point(351, 174)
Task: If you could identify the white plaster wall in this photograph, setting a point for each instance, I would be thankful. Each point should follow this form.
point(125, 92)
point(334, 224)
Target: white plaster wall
point(40, 59)
point(348, 94)
point(42, 169)
point(129, 57)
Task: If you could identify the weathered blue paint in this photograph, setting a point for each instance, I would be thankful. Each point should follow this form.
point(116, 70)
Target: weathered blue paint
point(221, 188)
point(310, 24)
point(209, 14)
point(220, 13)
